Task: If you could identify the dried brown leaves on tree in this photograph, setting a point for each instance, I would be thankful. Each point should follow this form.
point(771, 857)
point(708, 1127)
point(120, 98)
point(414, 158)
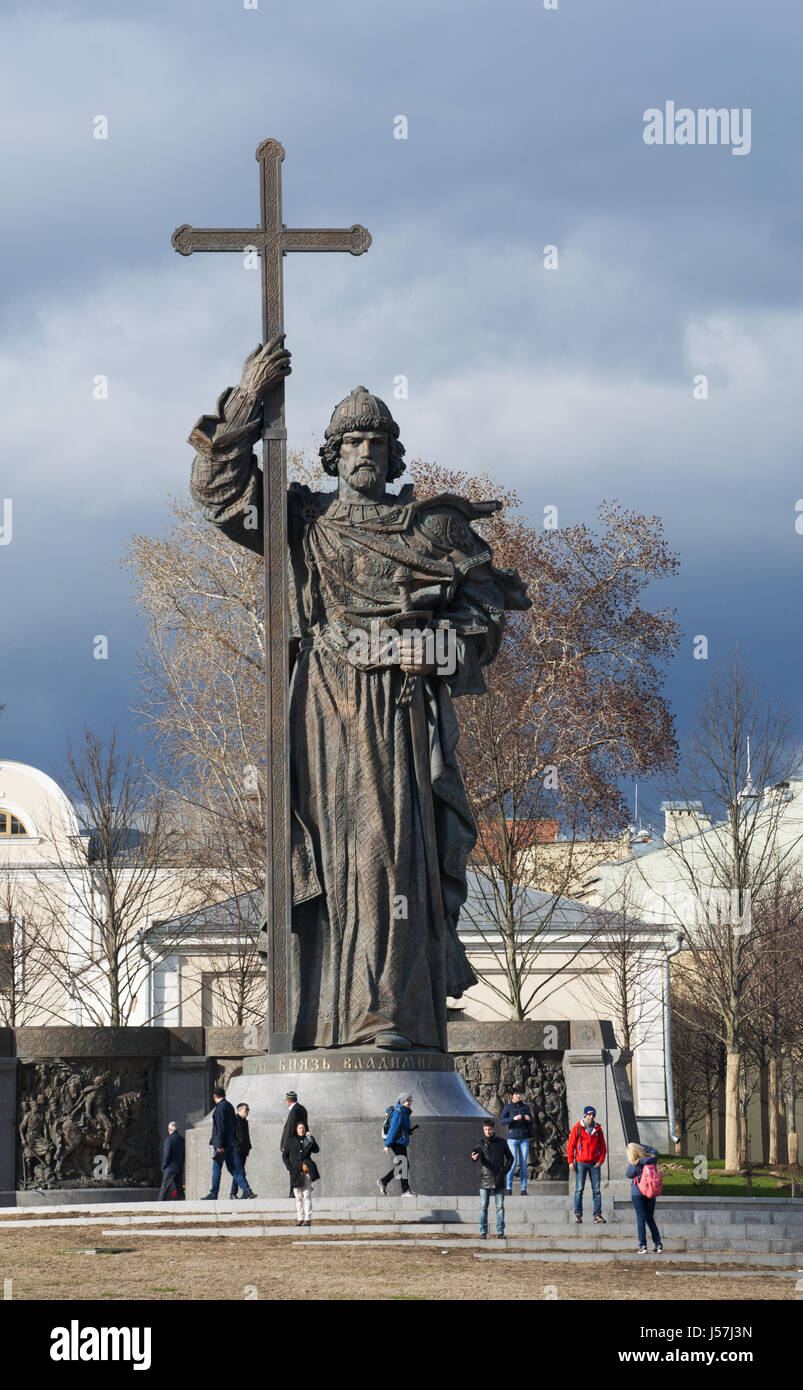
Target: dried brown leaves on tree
point(573, 705)
point(203, 703)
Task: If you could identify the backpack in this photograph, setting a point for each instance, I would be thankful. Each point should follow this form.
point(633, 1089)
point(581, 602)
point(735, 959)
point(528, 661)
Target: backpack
point(387, 1120)
point(650, 1183)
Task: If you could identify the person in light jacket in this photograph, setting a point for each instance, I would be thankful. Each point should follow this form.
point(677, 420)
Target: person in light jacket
point(638, 1157)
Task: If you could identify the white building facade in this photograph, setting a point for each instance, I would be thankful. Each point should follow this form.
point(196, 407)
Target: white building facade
point(189, 963)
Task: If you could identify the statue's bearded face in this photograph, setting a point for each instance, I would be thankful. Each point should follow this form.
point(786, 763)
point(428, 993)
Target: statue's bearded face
point(363, 461)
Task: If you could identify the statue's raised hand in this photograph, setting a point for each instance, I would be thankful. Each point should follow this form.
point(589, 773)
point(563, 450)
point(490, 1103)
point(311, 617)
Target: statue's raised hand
point(265, 368)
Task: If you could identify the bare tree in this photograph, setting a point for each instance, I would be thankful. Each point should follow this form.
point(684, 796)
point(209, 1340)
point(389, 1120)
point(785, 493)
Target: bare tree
point(772, 988)
point(573, 699)
point(691, 1098)
point(793, 1070)
point(27, 991)
point(625, 947)
point(728, 872)
point(121, 871)
point(203, 704)
point(238, 977)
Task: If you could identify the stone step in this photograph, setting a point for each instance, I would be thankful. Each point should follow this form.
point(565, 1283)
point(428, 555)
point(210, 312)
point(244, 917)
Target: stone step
point(254, 1231)
point(725, 1213)
point(510, 1249)
point(545, 1208)
point(734, 1203)
point(492, 1244)
point(262, 1228)
point(741, 1249)
point(219, 1220)
point(282, 1220)
point(763, 1230)
point(550, 1208)
point(704, 1257)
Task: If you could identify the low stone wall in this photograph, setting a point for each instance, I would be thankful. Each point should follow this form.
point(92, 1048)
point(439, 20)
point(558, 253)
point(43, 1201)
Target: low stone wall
point(83, 1109)
point(86, 1109)
point(562, 1066)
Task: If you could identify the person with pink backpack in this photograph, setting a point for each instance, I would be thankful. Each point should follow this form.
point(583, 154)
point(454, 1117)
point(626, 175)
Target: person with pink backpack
point(642, 1167)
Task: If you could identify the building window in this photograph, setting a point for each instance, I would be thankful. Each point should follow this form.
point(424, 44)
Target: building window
point(11, 825)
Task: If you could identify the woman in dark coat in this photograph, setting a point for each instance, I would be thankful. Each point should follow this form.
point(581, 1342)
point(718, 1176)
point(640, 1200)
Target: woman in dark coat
point(303, 1171)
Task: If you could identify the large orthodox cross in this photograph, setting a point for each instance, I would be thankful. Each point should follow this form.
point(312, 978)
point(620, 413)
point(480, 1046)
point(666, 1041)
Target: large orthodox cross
point(273, 240)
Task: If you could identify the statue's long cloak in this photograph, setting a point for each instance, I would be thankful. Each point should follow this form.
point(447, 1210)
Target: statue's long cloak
point(373, 948)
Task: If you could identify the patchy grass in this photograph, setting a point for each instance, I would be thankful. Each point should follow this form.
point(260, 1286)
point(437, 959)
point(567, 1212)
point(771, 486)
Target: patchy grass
point(679, 1180)
point(276, 1269)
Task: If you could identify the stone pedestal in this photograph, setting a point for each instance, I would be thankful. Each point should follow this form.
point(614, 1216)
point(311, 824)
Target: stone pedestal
point(184, 1088)
point(597, 1075)
point(346, 1094)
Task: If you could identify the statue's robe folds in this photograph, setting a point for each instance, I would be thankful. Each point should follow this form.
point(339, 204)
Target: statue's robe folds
point(373, 948)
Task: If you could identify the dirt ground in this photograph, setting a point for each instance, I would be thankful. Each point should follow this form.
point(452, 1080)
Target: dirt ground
point(43, 1264)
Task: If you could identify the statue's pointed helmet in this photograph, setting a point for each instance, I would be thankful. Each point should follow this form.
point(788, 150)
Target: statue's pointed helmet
point(361, 410)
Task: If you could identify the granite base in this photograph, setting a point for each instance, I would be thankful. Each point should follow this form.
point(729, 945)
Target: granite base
point(346, 1095)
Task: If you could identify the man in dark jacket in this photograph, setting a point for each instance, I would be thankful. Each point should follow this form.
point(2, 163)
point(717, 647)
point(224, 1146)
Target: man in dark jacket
point(172, 1166)
point(495, 1159)
point(296, 1115)
point(518, 1117)
point(222, 1144)
point(242, 1142)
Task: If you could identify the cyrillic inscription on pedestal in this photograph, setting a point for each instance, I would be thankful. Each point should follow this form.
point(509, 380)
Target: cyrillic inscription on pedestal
point(335, 1060)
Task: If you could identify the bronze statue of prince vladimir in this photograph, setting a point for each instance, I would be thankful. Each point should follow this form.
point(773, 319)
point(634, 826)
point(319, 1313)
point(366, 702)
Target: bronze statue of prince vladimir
point(380, 825)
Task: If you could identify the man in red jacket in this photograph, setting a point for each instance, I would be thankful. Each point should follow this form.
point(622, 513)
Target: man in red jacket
point(586, 1154)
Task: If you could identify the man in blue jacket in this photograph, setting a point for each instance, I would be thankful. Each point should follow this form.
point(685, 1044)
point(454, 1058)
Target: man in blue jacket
point(172, 1165)
point(222, 1144)
point(397, 1140)
point(518, 1117)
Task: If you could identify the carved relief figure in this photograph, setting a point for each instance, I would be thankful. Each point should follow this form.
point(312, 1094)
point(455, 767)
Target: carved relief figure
point(69, 1115)
point(490, 1076)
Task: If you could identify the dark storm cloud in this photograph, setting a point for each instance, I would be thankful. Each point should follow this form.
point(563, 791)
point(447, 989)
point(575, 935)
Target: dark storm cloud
point(525, 129)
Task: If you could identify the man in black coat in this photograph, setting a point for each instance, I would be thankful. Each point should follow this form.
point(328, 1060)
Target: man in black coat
point(495, 1159)
point(242, 1142)
point(296, 1115)
point(222, 1144)
point(172, 1165)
